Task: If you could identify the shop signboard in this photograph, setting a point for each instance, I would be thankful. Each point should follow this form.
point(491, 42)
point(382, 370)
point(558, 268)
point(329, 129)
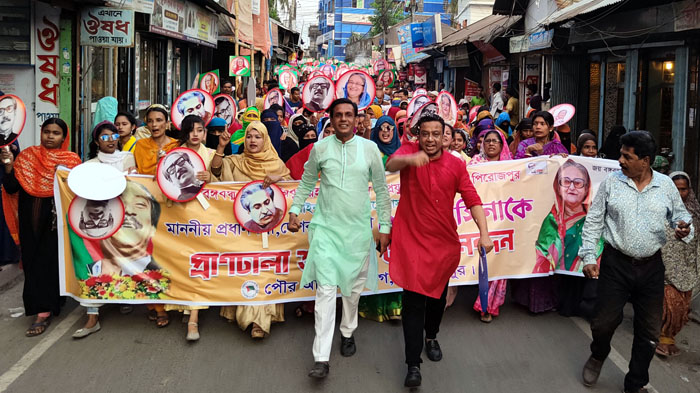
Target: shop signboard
point(142, 6)
point(108, 27)
point(184, 21)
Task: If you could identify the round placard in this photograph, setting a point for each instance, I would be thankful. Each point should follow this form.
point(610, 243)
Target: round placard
point(562, 113)
point(13, 115)
point(96, 181)
point(274, 96)
point(259, 209)
point(380, 65)
point(358, 87)
point(416, 102)
point(177, 174)
point(288, 79)
point(318, 93)
point(95, 220)
point(429, 108)
point(225, 108)
point(447, 108)
point(387, 78)
point(192, 102)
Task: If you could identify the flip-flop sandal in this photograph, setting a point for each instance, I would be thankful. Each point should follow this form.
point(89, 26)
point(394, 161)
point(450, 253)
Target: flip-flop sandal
point(38, 328)
point(162, 321)
point(152, 315)
point(299, 312)
point(674, 353)
point(662, 352)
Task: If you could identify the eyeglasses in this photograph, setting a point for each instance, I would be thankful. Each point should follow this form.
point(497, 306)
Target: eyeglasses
point(387, 128)
point(577, 182)
point(324, 86)
point(362, 85)
point(491, 141)
point(7, 109)
point(178, 163)
point(107, 138)
point(196, 108)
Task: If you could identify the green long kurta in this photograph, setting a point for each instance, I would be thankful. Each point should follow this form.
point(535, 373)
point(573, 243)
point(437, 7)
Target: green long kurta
point(340, 233)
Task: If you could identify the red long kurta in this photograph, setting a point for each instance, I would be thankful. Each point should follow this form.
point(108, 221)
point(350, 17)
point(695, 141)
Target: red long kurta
point(425, 248)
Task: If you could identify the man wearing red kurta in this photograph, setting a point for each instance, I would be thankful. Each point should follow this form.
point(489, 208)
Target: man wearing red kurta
point(425, 249)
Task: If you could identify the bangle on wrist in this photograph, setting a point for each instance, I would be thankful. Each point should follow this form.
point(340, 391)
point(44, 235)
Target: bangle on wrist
point(216, 153)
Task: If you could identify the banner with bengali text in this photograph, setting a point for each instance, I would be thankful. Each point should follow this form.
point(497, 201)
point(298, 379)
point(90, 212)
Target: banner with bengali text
point(180, 253)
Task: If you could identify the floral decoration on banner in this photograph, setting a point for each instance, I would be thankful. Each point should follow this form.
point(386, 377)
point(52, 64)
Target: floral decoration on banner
point(151, 284)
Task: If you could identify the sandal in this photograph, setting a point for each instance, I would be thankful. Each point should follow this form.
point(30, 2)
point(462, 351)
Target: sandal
point(192, 335)
point(298, 312)
point(662, 350)
point(38, 328)
point(673, 350)
point(486, 317)
point(257, 332)
point(162, 320)
point(152, 315)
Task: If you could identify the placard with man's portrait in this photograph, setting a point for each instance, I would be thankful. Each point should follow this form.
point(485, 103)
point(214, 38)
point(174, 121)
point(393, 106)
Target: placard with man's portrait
point(430, 108)
point(416, 102)
point(95, 220)
point(177, 174)
point(274, 96)
point(192, 102)
point(225, 108)
point(13, 115)
point(260, 209)
point(318, 93)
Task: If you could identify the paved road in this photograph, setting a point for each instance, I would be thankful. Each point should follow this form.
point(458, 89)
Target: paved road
point(518, 352)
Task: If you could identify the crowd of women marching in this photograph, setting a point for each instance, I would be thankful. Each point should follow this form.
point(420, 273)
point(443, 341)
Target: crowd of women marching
point(273, 144)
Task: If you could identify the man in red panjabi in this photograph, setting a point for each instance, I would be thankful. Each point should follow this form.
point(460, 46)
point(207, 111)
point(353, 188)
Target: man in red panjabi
point(430, 179)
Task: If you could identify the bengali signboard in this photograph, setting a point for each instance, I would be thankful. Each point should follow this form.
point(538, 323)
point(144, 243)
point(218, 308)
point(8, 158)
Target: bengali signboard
point(47, 62)
point(409, 53)
point(102, 26)
point(184, 21)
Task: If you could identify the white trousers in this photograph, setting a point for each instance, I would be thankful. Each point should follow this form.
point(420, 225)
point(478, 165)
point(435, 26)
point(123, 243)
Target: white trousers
point(324, 312)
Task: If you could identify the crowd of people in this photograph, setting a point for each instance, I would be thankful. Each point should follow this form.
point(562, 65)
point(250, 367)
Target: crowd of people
point(278, 143)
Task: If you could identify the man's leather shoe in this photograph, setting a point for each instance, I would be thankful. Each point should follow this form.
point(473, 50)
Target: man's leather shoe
point(347, 346)
point(413, 378)
point(320, 370)
point(591, 371)
point(432, 349)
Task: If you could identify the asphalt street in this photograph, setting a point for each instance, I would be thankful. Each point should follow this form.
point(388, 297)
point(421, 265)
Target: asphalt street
point(517, 352)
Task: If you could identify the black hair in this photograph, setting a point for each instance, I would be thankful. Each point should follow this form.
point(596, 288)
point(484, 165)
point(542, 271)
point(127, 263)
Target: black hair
point(546, 116)
point(430, 118)
point(497, 86)
point(532, 87)
point(340, 101)
point(642, 142)
point(225, 81)
point(498, 133)
point(294, 90)
point(306, 112)
point(404, 92)
point(681, 177)
point(525, 124)
point(275, 108)
point(131, 118)
point(58, 122)
point(512, 92)
point(157, 109)
point(462, 133)
point(94, 147)
point(187, 126)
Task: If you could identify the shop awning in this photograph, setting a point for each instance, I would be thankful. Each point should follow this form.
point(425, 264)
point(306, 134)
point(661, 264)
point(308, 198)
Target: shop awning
point(575, 9)
point(213, 6)
point(483, 30)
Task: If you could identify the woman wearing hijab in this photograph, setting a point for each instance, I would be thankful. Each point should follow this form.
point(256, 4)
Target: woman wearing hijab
point(611, 146)
point(290, 144)
point(522, 132)
point(250, 115)
point(503, 122)
point(274, 129)
point(682, 272)
point(386, 136)
point(544, 142)
point(586, 145)
point(215, 128)
point(387, 306)
point(307, 137)
point(29, 180)
point(104, 148)
point(259, 161)
point(494, 147)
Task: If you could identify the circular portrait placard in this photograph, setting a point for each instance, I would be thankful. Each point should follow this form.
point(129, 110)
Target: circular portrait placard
point(288, 79)
point(387, 78)
point(209, 82)
point(274, 96)
point(260, 209)
point(447, 108)
point(327, 70)
point(177, 174)
point(380, 65)
point(562, 113)
point(192, 102)
point(358, 87)
point(430, 108)
point(318, 93)
point(225, 108)
point(420, 91)
point(416, 102)
point(13, 115)
point(96, 181)
point(95, 220)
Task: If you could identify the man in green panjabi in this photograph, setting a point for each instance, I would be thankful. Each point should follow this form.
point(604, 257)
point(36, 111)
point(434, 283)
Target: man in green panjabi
point(341, 245)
